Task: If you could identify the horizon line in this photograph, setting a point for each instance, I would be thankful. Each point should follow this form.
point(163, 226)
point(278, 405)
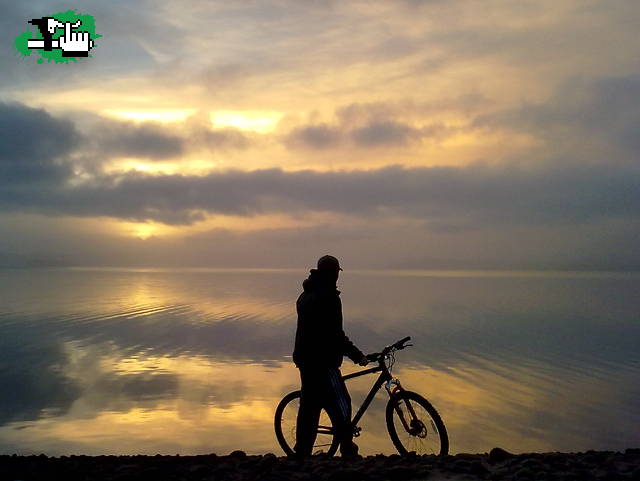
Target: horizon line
point(409, 272)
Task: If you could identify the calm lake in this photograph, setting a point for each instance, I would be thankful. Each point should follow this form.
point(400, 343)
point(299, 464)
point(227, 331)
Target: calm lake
point(117, 361)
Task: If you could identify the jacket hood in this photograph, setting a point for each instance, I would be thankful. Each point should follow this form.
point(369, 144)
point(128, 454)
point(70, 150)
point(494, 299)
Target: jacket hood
point(318, 281)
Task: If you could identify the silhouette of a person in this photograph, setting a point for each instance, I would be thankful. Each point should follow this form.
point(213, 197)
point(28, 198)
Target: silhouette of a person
point(319, 348)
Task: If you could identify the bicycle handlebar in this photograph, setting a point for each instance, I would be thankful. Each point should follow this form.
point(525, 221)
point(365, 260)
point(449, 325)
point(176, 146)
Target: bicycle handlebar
point(396, 346)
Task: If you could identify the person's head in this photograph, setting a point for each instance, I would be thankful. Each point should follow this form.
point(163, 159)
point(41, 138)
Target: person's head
point(329, 267)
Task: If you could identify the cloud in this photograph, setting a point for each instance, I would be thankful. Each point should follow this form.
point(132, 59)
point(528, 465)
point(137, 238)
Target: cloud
point(34, 145)
point(31, 143)
point(197, 133)
point(578, 113)
point(394, 47)
point(38, 151)
point(611, 110)
point(149, 140)
point(319, 136)
point(384, 133)
point(551, 194)
point(370, 125)
point(237, 73)
point(223, 139)
point(361, 113)
point(560, 190)
point(106, 138)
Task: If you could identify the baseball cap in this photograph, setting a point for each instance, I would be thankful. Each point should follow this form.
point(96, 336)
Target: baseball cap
point(328, 263)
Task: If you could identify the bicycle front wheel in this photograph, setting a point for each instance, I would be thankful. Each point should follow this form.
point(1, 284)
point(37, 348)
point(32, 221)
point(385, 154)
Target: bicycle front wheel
point(415, 425)
point(285, 423)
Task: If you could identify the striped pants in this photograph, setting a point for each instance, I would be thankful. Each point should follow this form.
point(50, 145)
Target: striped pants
point(322, 388)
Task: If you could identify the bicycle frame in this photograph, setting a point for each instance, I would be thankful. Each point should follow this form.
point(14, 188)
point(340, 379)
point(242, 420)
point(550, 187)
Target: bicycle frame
point(385, 376)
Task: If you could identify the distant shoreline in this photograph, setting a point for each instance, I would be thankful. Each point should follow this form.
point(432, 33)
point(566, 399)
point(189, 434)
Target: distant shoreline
point(437, 273)
point(238, 466)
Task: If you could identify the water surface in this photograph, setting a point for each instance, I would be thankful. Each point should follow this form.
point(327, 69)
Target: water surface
point(117, 361)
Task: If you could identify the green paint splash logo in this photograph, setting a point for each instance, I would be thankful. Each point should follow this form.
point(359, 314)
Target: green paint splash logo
point(59, 38)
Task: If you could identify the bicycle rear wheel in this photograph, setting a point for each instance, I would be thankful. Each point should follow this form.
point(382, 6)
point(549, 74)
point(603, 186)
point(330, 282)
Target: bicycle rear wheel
point(285, 423)
point(415, 425)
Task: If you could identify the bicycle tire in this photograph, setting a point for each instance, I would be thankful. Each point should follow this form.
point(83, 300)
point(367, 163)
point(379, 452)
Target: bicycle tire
point(285, 427)
point(429, 434)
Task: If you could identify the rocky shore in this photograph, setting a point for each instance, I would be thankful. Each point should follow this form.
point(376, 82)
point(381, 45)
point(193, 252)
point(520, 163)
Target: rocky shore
point(238, 466)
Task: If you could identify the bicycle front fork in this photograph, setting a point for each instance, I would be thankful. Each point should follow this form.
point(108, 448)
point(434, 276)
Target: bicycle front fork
point(394, 388)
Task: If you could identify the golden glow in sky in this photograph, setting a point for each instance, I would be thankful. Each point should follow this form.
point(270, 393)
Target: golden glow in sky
point(162, 116)
point(144, 231)
point(253, 120)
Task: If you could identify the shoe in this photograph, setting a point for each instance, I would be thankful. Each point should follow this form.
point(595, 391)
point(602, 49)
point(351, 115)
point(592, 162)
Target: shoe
point(350, 450)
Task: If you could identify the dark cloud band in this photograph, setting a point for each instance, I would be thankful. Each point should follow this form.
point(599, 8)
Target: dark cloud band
point(477, 193)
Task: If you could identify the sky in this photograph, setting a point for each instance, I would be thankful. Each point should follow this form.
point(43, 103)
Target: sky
point(404, 134)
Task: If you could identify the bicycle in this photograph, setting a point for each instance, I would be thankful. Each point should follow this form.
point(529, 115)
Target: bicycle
point(413, 423)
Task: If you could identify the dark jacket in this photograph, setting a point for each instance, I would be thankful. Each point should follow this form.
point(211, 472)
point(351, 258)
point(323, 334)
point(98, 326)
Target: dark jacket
point(320, 339)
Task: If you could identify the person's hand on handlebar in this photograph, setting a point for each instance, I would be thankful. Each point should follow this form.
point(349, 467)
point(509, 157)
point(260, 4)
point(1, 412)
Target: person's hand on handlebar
point(373, 357)
point(363, 361)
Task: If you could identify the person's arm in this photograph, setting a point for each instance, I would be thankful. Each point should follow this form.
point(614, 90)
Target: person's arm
point(349, 349)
